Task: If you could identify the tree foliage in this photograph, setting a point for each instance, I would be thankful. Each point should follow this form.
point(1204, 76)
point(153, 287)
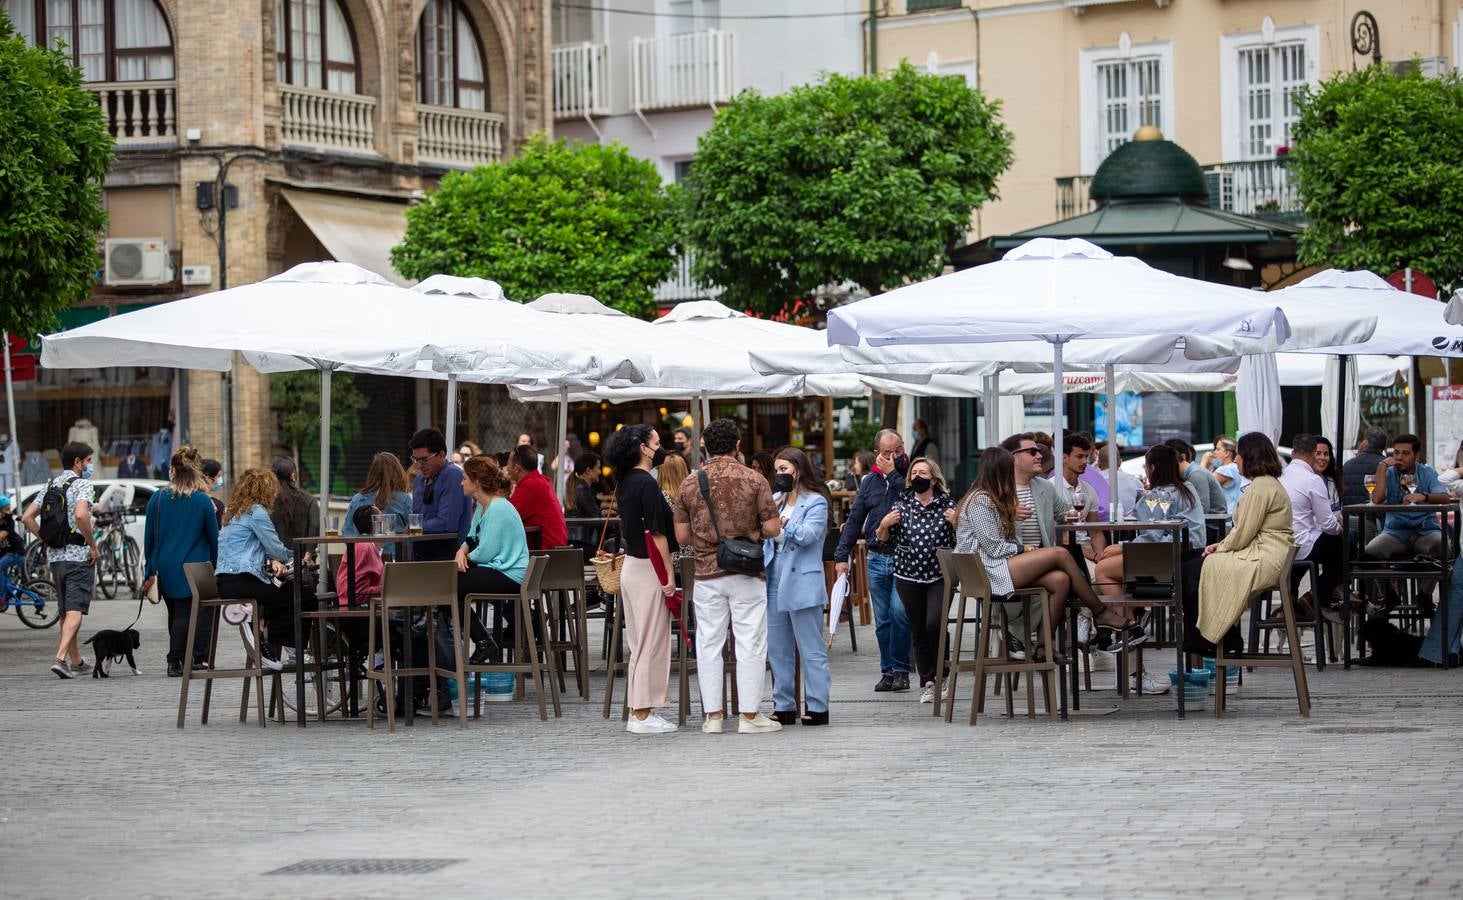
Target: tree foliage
point(585, 219)
point(54, 152)
point(296, 397)
point(1378, 160)
point(870, 180)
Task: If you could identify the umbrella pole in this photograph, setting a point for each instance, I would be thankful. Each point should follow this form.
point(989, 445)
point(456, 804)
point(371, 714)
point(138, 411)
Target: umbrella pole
point(1059, 418)
point(1109, 373)
point(1340, 437)
point(698, 413)
point(450, 431)
point(561, 476)
point(324, 448)
point(993, 409)
point(10, 410)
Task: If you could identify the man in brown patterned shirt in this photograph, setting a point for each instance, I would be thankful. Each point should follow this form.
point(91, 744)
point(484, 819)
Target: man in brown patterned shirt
point(744, 508)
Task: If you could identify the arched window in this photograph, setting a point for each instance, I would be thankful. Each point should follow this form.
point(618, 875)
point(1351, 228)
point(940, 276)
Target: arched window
point(450, 58)
point(316, 45)
point(109, 40)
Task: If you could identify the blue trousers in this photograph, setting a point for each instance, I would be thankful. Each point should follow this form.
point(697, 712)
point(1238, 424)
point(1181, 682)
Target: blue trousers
point(1432, 643)
point(800, 630)
point(891, 623)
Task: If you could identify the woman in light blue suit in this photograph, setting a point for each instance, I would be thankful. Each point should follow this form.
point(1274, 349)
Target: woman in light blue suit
point(796, 590)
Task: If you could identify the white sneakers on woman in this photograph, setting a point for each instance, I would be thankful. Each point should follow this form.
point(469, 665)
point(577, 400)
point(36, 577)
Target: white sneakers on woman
point(651, 724)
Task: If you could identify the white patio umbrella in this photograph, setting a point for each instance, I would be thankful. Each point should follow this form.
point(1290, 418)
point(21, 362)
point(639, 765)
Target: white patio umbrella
point(1054, 293)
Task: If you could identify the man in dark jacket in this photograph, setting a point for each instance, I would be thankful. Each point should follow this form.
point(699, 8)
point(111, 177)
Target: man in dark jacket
point(876, 495)
point(1364, 463)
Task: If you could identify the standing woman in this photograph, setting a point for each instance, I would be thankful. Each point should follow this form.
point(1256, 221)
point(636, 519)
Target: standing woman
point(494, 557)
point(251, 558)
point(386, 489)
point(633, 451)
point(918, 526)
point(796, 590)
point(181, 527)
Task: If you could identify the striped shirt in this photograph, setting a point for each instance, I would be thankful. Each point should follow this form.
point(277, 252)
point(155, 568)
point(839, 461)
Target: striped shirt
point(1028, 530)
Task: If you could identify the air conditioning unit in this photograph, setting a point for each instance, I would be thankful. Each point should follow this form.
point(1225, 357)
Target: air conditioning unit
point(1429, 66)
point(132, 261)
point(1221, 188)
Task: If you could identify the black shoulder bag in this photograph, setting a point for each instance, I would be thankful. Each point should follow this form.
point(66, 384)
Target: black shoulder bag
point(736, 555)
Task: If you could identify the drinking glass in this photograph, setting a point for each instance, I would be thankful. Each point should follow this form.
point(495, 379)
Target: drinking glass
point(1151, 498)
point(332, 526)
point(414, 523)
point(1370, 482)
point(378, 525)
point(1165, 500)
point(1408, 481)
point(1079, 503)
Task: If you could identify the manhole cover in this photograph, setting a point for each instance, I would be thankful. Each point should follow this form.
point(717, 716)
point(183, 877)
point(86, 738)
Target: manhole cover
point(364, 866)
point(1368, 729)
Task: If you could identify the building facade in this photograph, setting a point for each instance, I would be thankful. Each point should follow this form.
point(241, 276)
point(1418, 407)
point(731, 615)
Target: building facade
point(310, 124)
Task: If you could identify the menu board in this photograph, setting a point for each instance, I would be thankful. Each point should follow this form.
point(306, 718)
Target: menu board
point(1167, 415)
point(1447, 423)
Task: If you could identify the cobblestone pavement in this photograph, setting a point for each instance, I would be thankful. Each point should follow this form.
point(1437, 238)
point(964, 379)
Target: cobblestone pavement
point(105, 798)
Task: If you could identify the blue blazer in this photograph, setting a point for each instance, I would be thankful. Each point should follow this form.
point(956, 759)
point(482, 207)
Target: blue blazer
point(795, 571)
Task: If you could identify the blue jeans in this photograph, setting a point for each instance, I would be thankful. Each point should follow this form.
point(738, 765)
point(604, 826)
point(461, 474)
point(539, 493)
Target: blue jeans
point(891, 623)
point(12, 559)
point(1432, 643)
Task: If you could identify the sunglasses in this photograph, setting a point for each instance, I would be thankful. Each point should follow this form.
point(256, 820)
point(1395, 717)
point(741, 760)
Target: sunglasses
point(1034, 451)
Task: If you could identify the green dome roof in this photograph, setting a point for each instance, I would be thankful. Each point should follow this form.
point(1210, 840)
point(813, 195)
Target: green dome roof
point(1149, 168)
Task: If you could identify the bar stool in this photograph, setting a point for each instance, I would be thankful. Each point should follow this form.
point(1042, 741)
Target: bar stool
point(1265, 618)
point(1291, 660)
point(563, 587)
point(204, 588)
point(405, 586)
point(528, 614)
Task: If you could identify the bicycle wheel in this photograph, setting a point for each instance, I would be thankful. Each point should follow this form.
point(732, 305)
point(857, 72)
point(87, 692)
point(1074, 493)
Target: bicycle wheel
point(36, 564)
point(107, 573)
point(132, 560)
point(37, 604)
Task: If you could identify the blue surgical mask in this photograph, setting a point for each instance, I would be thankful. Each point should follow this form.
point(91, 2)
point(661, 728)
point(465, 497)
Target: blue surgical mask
point(218, 483)
point(86, 472)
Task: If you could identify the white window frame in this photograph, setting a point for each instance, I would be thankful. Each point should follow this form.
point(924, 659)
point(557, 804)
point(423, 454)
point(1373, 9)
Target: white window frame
point(1231, 138)
point(1088, 61)
point(965, 68)
point(1458, 42)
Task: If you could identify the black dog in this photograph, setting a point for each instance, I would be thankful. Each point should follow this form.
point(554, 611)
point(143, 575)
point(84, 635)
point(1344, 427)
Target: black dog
point(116, 646)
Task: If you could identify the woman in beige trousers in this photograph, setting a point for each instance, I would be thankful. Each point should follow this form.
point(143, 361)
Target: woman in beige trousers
point(646, 527)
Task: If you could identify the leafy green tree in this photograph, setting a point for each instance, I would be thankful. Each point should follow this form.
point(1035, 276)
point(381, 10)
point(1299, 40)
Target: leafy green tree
point(870, 180)
point(1378, 161)
point(54, 152)
point(295, 396)
point(585, 219)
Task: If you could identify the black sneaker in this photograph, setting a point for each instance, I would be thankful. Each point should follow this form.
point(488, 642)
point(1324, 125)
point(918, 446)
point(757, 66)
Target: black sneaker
point(485, 652)
point(901, 682)
point(1014, 647)
point(175, 669)
point(886, 683)
point(268, 658)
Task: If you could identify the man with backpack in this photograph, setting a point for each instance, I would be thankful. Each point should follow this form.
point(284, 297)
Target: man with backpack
point(61, 518)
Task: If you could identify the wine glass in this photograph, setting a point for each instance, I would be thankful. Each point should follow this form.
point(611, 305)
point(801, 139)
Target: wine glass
point(1370, 483)
point(1165, 500)
point(1079, 503)
point(1151, 498)
point(1408, 481)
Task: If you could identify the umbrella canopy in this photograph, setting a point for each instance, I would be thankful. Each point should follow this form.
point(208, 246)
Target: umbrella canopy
point(1407, 324)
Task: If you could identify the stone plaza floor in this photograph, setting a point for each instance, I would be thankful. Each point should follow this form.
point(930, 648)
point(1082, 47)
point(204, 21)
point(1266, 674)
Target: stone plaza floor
point(105, 798)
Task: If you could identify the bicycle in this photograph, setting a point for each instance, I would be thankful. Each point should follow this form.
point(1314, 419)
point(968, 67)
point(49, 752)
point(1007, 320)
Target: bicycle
point(35, 600)
point(120, 560)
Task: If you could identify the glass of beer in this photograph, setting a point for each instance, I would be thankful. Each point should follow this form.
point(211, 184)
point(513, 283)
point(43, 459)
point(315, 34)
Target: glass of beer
point(332, 526)
point(414, 524)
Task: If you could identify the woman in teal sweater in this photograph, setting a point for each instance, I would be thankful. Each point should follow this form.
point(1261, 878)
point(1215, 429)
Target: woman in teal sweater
point(494, 558)
point(181, 527)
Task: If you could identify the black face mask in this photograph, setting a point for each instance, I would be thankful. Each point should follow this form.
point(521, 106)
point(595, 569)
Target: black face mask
point(919, 484)
point(782, 482)
point(901, 463)
point(659, 456)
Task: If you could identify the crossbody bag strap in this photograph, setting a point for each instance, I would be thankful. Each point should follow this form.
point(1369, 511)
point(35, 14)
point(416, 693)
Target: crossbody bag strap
point(705, 484)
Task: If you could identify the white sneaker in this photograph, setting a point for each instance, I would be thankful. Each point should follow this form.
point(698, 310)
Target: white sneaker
point(651, 724)
point(1084, 630)
point(1150, 685)
point(927, 693)
point(713, 726)
point(758, 725)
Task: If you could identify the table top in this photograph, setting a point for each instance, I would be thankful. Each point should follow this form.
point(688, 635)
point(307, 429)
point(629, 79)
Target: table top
point(1173, 525)
point(376, 538)
point(1363, 509)
point(1216, 517)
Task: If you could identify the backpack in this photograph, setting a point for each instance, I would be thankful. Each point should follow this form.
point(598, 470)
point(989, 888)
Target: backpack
point(55, 525)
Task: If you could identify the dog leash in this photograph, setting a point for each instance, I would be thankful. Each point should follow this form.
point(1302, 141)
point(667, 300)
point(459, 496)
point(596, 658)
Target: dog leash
point(141, 598)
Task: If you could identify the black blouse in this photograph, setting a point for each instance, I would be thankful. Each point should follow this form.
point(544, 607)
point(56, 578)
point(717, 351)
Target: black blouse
point(643, 508)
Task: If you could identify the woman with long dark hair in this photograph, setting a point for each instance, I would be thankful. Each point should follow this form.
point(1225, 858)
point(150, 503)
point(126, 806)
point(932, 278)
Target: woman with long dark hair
point(633, 451)
point(181, 527)
point(796, 590)
point(386, 488)
point(1161, 466)
point(1325, 465)
point(295, 514)
point(987, 526)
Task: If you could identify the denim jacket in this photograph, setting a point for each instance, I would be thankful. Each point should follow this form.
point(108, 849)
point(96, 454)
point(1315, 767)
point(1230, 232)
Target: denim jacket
point(247, 542)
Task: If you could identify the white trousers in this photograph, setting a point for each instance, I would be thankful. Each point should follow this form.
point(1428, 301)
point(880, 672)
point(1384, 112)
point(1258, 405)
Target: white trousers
point(742, 600)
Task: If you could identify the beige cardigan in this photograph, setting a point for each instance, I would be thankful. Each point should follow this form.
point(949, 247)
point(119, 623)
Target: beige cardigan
point(1248, 560)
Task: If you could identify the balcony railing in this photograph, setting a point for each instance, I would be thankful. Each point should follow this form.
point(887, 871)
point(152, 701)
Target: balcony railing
point(581, 81)
point(139, 112)
point(1261, 187)
point(460, 138)
point(682, 286)
point(682, 70)
point(327, 120)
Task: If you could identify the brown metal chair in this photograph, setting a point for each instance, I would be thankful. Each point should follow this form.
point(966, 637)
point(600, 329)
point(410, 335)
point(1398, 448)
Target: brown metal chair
point(406, 586)
point(1149, 564)
point(531, 638)
point(974, 583)
point(563, 588)
point(204, 588)
point(1292, 660)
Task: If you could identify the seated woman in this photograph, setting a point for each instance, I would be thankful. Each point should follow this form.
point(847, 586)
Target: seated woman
point(1162, 469)
point(494, 558)
point(370, 568)
point(1218, 585)
point(386, 488)
point(252, 562)
point(987, 519)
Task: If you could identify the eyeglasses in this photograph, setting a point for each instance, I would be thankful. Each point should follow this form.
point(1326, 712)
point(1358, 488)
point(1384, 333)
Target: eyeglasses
point(421, 459)
point(1034, 451)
